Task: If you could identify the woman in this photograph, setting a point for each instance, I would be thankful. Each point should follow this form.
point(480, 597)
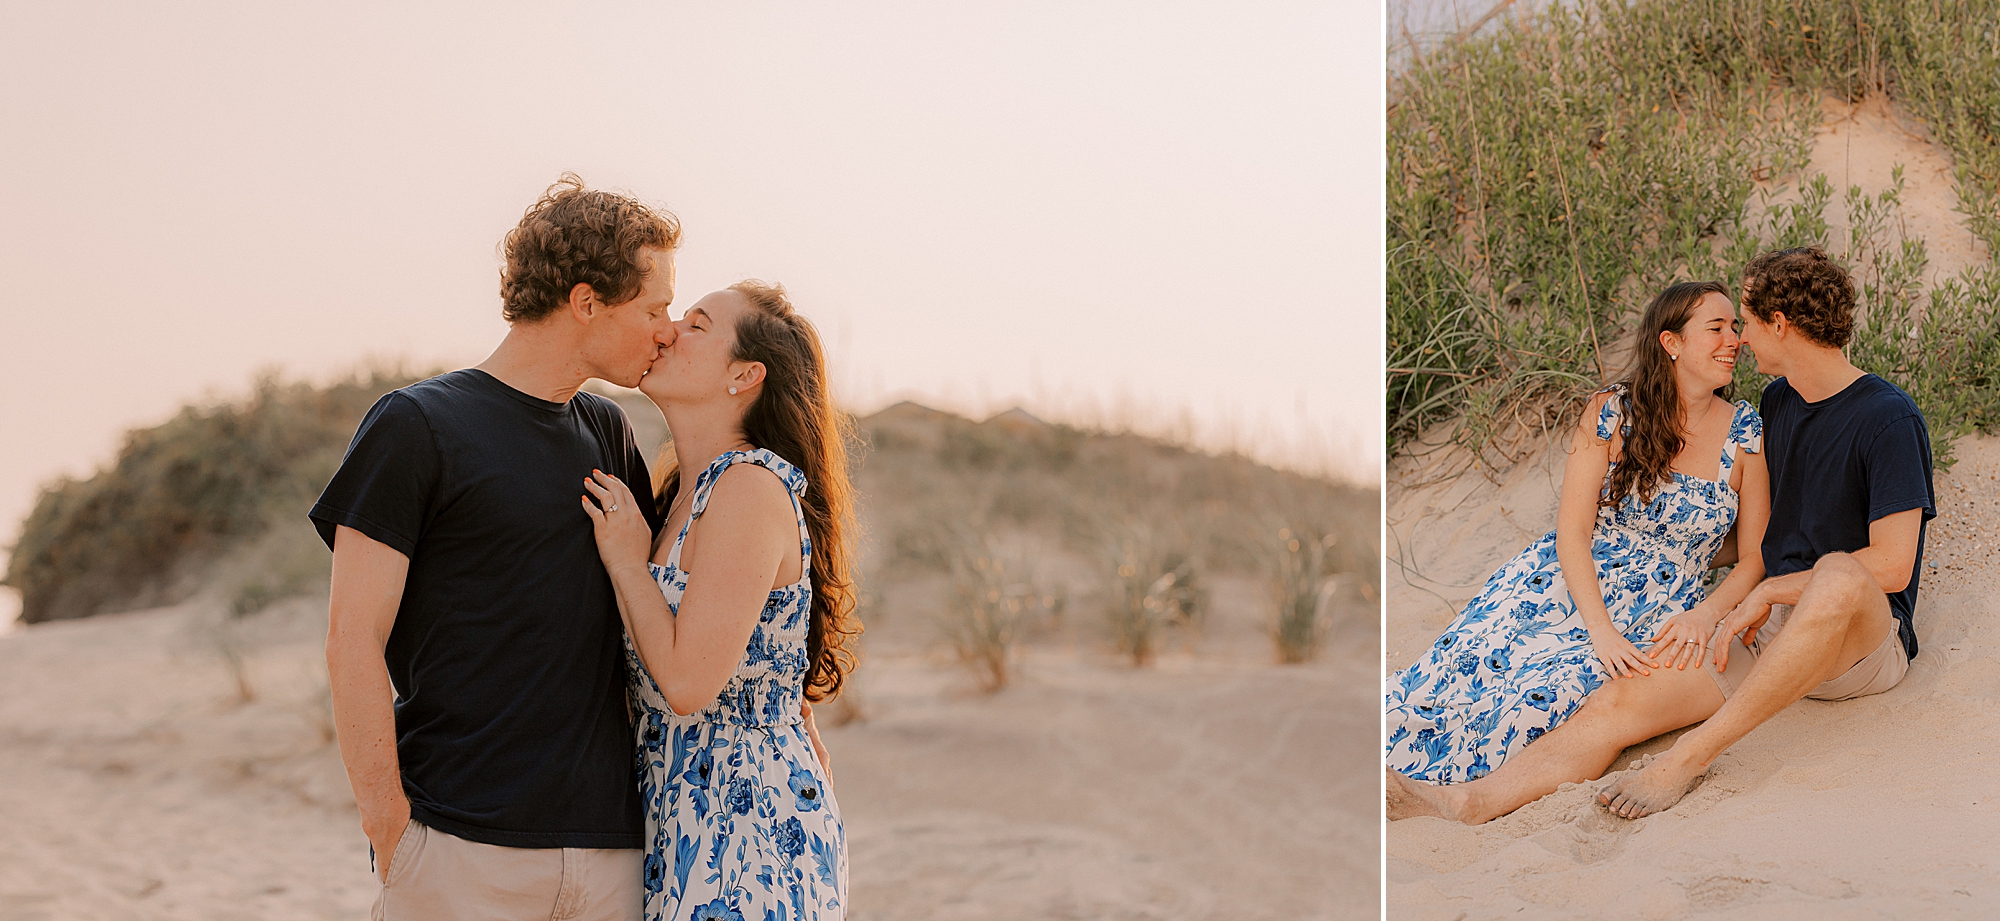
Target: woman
point(728, 625)
point(1660, 468)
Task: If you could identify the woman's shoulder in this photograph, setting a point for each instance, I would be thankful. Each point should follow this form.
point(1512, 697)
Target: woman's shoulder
point(1747, 426)
point(757, 482)
point(1605, 412)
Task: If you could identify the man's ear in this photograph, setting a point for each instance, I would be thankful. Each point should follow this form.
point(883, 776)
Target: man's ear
point(583, 303)
point(1779, 323)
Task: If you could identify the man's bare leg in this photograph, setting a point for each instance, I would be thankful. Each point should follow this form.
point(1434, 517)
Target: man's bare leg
point(1841, 617)
point(1621, 713)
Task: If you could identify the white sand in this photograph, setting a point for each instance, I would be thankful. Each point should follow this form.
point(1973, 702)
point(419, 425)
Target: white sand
point(133, 784)
point(1880, 807)
point(1861, 144)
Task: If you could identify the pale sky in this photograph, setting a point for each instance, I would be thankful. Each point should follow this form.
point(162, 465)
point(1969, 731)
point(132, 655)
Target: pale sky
point(1154, 212)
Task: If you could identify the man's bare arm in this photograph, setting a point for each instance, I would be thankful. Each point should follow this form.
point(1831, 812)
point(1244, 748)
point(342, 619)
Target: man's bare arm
point(1891, 554)
point(368, 581)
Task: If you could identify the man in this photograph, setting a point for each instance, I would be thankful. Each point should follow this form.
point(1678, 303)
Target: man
point(1850, 466)
point(474, 644)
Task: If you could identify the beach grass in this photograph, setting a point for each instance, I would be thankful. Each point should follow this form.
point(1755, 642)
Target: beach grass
point(1546, 176)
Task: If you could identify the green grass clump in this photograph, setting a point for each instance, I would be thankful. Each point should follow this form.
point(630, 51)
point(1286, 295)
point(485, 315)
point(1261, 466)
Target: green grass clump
point(1301, 587)
point(1545, 178)
point(186, 490)
point(996, 598)
point(1152, 522)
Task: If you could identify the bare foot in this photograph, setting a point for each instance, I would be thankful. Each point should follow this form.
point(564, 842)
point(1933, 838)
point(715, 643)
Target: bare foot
point(1655, 788)
point(1408, 799)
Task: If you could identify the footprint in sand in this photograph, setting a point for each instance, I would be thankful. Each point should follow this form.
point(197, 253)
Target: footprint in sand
point(1591, 836)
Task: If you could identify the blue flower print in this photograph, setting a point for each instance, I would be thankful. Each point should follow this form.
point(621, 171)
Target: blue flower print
point(791, 838)
point(742, 796)
point(717, 910)
point(655, 738)
point(728, 810)
point(1517, 660)
point(699, 768)
point(805, 787)
point(656, 871)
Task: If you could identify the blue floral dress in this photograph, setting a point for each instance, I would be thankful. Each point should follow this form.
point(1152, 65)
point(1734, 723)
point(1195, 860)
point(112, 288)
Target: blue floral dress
point(1518, 660)
point(740, 820)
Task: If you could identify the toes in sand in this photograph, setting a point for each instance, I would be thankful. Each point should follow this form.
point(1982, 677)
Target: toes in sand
point(1654, 788)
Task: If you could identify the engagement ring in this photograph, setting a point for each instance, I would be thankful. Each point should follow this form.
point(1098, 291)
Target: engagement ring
point(611, 508)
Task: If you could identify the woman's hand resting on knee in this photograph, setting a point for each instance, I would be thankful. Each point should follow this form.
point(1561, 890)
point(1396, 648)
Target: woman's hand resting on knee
point(1684, 637)
point(1618, 657)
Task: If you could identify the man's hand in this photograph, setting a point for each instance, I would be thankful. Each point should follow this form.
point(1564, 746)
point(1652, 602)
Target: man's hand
point(1743, 622)
point(384, 827)
point(812, 732)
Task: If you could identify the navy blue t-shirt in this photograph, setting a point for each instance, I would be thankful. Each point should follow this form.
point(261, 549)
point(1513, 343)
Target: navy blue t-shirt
point(506, 653)
point(1836, 466)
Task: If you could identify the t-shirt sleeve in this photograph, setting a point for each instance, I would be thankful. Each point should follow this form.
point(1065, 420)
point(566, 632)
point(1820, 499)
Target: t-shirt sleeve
point(385, 483)
point(1898, 464)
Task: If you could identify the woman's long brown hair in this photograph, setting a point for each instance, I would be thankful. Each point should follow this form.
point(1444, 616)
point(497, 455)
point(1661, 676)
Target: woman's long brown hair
point(794, 418)
point(1652, 399)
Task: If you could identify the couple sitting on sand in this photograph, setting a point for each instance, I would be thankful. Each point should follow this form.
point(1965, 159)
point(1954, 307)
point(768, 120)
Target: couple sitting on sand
point(557, 698)
point(1600, 635)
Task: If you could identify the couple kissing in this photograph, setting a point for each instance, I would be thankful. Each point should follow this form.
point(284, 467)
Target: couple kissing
point(556, 697)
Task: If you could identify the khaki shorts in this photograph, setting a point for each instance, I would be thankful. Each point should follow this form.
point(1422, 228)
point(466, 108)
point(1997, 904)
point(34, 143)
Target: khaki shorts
point(434, 875)
point(1876, 672)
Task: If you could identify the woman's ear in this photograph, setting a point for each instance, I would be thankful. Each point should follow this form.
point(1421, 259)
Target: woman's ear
point(1670, 342)
point(747, 374)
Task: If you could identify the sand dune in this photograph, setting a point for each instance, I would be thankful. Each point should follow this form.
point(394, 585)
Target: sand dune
point(136, 784)
point(1881, 807)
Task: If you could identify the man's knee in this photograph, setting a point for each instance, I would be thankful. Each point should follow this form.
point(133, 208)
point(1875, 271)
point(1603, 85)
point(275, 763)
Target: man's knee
point(1839, 586)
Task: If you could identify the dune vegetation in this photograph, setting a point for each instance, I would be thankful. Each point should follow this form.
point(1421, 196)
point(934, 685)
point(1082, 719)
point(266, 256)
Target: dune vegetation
point(1546, 175)
point(1028, 522)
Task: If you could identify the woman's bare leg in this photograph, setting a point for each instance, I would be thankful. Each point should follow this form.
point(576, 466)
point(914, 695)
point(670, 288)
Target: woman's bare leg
point(1621, 713)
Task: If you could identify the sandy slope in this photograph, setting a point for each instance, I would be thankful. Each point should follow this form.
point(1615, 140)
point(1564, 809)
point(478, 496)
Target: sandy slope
point(134, 784)
point(1878, 808)
point(1881, 807)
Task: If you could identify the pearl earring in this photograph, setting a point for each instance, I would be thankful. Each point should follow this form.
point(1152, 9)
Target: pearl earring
point(1672, 357)
point(732, 391)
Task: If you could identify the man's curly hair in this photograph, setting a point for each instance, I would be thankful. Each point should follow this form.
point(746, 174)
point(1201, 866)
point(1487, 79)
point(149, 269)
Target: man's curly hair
point(1806, 286)
point(576, 235)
